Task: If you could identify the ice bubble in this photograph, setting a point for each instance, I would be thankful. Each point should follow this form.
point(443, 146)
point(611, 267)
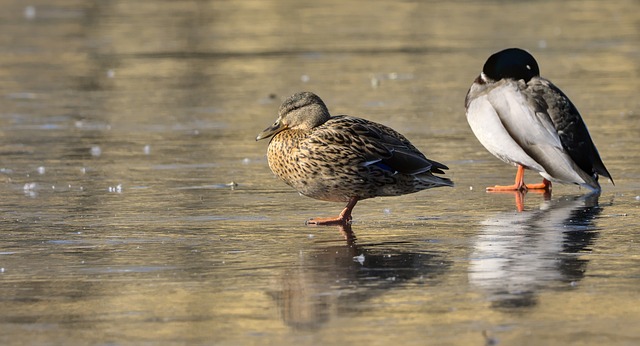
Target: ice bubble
point(115, 189)
point(29, 186)
point(30, 12)
point(30, 190)
point(375, 82)
point(96, 151)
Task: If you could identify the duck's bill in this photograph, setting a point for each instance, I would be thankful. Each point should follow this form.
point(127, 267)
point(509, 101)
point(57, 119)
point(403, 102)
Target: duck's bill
point(271, 130)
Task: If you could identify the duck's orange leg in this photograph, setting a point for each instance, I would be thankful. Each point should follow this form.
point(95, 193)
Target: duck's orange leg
point(518, 185)
point(544, 185)
point(342, 219)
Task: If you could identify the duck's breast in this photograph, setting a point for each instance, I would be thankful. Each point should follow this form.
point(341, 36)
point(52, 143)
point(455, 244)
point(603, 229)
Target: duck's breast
point(484, 114)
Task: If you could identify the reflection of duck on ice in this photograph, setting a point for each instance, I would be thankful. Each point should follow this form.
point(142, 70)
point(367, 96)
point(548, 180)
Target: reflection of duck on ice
point(331, 281)
point(517, 254)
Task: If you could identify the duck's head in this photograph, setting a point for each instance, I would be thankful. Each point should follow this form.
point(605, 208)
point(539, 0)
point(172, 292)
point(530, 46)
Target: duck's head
point(511, 63)
point(301, 111)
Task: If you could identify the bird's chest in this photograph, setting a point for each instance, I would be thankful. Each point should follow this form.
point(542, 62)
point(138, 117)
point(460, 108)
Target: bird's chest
point(289, 159)
point(314, 170)
point(496, 117)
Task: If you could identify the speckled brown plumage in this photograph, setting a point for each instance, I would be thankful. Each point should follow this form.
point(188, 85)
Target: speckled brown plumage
point(343, 158)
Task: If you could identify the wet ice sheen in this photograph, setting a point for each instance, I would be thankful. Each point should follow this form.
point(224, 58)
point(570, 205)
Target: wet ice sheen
point(138, 209)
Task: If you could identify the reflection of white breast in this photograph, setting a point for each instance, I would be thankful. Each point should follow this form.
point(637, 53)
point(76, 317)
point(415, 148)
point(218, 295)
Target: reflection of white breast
point(513, 258)
point(488, 128)
point(518, 252)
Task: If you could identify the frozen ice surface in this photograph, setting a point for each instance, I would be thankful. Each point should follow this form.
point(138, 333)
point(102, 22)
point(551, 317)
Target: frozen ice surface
point(22, 96)
point(542, 44)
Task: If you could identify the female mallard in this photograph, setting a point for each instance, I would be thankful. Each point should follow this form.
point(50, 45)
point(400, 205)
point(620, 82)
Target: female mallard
point(343, 158)
point(527, 121)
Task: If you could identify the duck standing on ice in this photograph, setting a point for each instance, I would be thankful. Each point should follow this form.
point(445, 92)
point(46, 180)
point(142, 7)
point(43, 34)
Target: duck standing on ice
point(525, 120)
point(343, 158)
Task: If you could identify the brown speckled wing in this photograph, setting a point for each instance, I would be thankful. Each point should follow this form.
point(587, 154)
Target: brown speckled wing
point(379, 143)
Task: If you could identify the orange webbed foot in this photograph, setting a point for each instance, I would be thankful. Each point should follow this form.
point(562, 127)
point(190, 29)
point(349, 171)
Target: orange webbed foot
point(544, 185)
point(518, 184)
point(506, 188)
point(343, 219)
point(328, 221)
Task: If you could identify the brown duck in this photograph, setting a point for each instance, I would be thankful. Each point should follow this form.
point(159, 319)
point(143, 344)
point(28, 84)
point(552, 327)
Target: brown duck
point(343, 158)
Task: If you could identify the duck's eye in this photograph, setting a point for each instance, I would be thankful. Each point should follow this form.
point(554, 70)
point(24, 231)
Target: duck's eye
point(528, 67)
